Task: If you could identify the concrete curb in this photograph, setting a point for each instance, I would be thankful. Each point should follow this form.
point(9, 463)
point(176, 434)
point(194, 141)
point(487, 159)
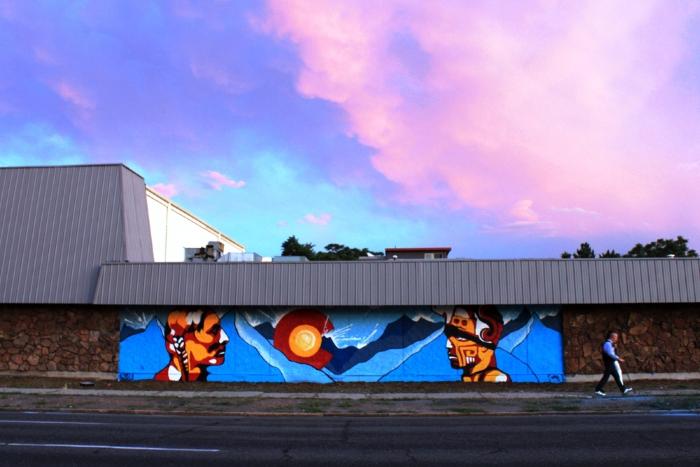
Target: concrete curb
point(693, 413)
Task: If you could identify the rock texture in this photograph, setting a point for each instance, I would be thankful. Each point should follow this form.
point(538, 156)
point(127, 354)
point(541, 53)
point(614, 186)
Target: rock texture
point(59, 338)
point(653, 338)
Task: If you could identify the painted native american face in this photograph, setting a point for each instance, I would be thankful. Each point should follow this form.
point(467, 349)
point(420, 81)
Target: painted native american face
point(196, 338)
point(472, 336)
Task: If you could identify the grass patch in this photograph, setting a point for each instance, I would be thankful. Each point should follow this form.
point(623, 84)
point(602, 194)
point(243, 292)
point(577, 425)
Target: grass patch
point(674, 403)
point(384, 402)
point(441, 402)
point(565, 408)
point(468, 410)
point(224, 403)
point(311, 406)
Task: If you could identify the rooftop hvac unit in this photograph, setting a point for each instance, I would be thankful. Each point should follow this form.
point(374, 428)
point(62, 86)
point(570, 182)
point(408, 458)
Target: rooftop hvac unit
point(211, 252)
point(289, 259)
point(240, 258)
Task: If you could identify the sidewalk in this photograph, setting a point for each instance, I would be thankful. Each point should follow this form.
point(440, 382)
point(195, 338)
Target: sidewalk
point(342, 399)
point(471, 395)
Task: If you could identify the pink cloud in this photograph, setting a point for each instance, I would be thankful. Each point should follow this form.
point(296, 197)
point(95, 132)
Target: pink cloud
point(5, 108)
point(320, 219)
point(73, 95)
point(43, 56)
point(166, 189)
point(8, 10)
point(217, 75)
point(218, 181)
point(522, 210)
point(485, 107)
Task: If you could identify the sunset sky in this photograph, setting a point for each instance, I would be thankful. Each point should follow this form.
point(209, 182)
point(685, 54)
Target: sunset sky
point(505, 129)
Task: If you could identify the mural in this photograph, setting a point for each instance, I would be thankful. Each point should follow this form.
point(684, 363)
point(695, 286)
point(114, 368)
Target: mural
point(467, 343)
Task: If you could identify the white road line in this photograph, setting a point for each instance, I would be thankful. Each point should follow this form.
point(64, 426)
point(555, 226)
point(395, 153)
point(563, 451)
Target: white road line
point(106, 446)
point(49, 422)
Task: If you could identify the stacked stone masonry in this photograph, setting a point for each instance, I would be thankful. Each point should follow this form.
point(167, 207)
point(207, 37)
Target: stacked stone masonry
point(653, 338)
point(59, 338)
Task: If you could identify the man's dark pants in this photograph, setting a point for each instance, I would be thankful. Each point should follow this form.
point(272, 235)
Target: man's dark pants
point(610, 369)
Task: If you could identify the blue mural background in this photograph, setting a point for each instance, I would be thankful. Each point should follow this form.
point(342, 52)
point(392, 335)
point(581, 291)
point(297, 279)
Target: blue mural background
point(372, 345)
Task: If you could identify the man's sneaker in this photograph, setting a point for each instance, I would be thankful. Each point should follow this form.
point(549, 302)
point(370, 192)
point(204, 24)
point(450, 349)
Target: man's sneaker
point(600, 393)
point(627, 390)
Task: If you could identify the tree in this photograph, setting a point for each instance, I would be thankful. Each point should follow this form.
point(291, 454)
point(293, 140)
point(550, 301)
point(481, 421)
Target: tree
point(292, 247)
point(609, 254)
point(333, 251)
point(662, 247)
point(339, 252)
point(584, 251)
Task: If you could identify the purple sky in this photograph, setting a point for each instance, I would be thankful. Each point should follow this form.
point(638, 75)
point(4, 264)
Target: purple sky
point(502, 129)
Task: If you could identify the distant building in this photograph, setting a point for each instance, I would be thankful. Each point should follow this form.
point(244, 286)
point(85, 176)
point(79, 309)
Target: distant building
point(174, 229)
point(435, 252)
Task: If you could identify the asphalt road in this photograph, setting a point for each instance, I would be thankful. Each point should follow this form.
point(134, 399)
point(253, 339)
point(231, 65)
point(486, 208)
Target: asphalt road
point(57, 439)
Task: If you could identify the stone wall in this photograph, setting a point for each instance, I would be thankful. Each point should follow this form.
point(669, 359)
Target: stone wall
point(58, 338)
point(653, 338)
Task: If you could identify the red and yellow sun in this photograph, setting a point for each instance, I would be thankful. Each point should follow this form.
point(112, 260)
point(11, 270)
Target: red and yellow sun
point(299, 336)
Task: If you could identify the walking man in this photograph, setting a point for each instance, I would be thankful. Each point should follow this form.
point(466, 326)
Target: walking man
point(612, 365)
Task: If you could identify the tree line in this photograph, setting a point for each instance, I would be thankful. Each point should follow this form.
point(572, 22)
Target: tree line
point(333, 251)
point(659, 248)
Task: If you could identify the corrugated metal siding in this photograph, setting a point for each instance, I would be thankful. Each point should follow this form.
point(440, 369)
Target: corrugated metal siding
point(393, 283)
point(138, 247)
point(59, 224)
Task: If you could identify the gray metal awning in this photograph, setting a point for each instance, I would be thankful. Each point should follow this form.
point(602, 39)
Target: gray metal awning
point(402, 283)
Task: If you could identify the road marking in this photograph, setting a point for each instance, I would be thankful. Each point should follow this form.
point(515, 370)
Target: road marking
point(106, 446)
point(49, 422)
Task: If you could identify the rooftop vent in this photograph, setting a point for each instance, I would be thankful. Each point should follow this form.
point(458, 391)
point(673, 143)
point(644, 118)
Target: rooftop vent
point(289, 259)
point(240, 258)
point(211, 252)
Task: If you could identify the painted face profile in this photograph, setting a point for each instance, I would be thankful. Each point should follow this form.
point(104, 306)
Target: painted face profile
point(194, 340)
point(472, 337)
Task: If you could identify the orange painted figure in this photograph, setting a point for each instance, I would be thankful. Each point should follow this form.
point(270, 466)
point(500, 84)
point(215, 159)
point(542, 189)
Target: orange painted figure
point(195, 340)
point(472, 336)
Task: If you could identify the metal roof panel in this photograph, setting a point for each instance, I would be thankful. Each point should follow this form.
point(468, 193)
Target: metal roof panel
point(391, 283)
point(59, 224)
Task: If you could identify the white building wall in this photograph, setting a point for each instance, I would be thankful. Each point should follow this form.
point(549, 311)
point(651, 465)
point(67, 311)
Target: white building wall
point(173, 229)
